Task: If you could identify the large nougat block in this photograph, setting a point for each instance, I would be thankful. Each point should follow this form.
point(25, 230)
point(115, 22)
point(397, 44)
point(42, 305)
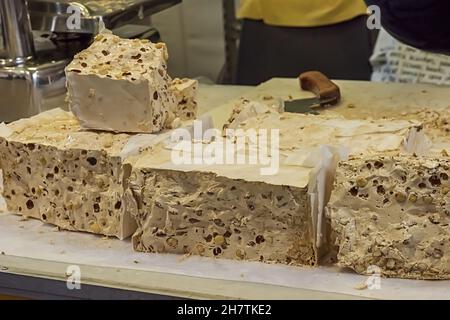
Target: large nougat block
point(223, 214)
point(393, 212)
point(233, 210)
point(73, 179)
point(121, 85)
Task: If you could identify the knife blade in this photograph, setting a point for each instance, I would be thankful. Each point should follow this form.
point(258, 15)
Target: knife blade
point(327, 94)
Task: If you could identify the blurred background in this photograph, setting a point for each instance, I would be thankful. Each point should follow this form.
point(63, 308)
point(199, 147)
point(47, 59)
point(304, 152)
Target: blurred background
point(195, 35)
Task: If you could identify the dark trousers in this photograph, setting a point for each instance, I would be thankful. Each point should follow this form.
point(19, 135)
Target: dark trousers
point(341, 51)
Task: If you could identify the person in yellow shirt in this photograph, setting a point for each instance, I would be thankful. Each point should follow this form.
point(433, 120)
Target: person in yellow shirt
point(282, 38)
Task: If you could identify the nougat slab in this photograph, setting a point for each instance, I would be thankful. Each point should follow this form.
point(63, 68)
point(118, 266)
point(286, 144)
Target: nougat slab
point(235, 212)
point(56, 172)
point(224, 211)
point(392, 214)
point(122, 85)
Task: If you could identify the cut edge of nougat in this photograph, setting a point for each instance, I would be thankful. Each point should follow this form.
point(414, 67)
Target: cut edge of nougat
point(404, 234)
point(415, 143)
point(145, 209)
point(149, 162)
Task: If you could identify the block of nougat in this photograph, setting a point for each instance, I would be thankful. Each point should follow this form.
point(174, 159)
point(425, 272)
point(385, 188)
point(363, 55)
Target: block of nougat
point(64, 176)
point(223, 211)
point(235, 210)
point(392, 214)
point(121, 85)
point(185, 91)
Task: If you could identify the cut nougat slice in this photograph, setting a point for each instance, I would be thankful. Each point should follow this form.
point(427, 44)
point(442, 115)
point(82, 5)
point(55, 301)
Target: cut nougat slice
point(121, 85)
point(392, 214)
point(70, 178)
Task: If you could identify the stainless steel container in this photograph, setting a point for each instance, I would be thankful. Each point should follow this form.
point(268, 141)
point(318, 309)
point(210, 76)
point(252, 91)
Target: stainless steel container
point(18, 46)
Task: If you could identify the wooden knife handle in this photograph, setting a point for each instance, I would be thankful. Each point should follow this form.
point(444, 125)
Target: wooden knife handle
point(319, 84)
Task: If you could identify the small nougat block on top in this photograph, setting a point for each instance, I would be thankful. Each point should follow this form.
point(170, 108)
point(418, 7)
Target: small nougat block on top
point(73, 179)
point(121, 85)
point(392, 213)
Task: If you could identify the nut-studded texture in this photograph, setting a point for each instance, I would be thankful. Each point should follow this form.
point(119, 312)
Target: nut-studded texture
point(122, 85)
point(73, 179)
point(185, 91)
point(209, 215)
point(393, 213)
